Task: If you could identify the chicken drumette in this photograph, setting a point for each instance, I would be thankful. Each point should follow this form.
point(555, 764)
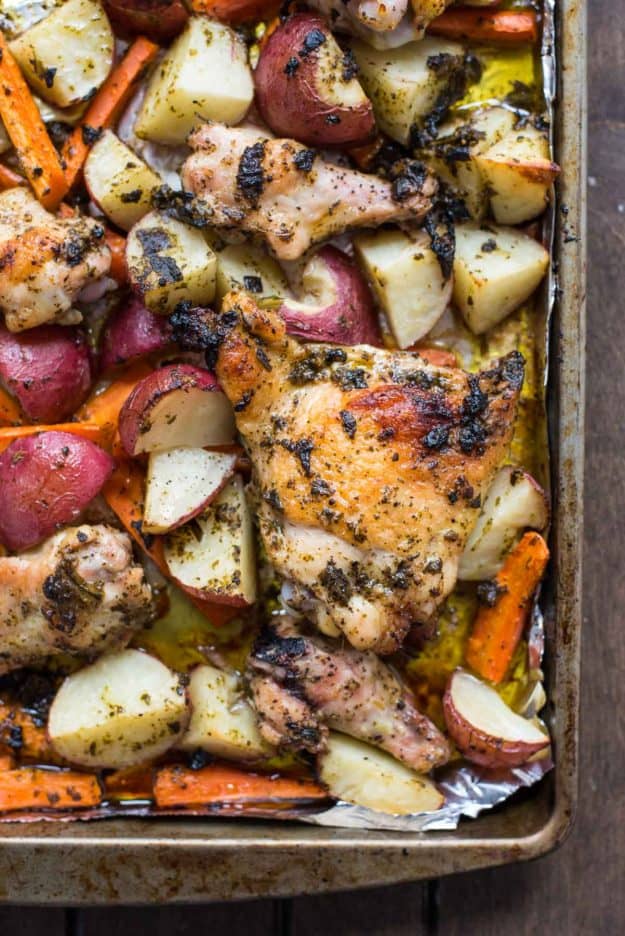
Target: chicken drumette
point(288, 195)
point(80, 593)
point(369, 466)
point(302, 685)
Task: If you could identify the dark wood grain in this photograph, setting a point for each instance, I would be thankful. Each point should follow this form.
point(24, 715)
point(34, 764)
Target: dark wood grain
point(257, 918)
point(27, 921)
point(390, 911)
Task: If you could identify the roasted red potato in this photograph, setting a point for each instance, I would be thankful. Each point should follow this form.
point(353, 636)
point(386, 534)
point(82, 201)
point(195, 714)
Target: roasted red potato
point(159, 20)
point(306, 86)
point(46, 369)
point(131, 332)
point(46, 480)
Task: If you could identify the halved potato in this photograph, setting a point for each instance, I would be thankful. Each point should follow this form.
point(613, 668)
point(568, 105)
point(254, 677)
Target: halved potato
point(126, 709)
point(484, 728)
point(204, 76)
point(181, 483)
point(243, 266)
point(518, 173)
point(514, 502)
point(358, 773)
point(168, 262)
point(407, 279)
point(213, 557)
point(495, 270)
point(222, 720)
point(118, 180)
point(404, 84)
point(66, 56)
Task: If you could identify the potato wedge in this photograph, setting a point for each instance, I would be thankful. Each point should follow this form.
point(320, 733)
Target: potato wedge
point(495, 270)
point(119, 181)
point(204, 76)
point(124, 710)
point(407, 279)
point(222, 720)
point(169, 262)
point(358, 773)
point(518, 172)
point(404, 84)
point(243, 266)
point(66, 56)
point(213, 558)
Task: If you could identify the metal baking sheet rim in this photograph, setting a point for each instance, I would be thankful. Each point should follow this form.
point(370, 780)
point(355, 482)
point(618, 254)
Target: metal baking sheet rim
point(142, 861)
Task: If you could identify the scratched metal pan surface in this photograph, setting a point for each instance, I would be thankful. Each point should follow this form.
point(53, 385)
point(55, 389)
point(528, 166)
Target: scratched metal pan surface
point(155, 861)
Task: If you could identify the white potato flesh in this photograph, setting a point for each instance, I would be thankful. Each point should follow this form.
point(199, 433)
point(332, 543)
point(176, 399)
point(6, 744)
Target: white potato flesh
point(16, 16)
point(483, 709)
point(407, 280)
point(495, 270)
point(242, 266)
point(182, 482)
point(123, 710)
point(214, 557)
point(66, 56)
point(169, 262)
point(401, 85)
point(119, 181)
point(223, 722)
point(514, 502)
point(204, 76)
point(358, 773)
point(518, 173)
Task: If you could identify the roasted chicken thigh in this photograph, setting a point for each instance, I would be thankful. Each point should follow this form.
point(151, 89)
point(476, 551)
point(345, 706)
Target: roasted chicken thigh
point(80, 593)
point(287, 194)
point(303, 685)
point(369, 467)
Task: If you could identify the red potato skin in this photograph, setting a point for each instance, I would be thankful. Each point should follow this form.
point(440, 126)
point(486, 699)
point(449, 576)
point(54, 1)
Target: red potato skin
point(350, 320)
point(134, 418)
point(46, 481)
point(47, 369)
point(479, 747)
point(290, 96)
point(158, 20)
point(132, 332)
point(200, 598)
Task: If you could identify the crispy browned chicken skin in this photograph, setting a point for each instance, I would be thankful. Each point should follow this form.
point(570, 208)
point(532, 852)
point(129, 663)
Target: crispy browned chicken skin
point(80, 592)
point(369, 467)
point(302, 685)
point(285, 193)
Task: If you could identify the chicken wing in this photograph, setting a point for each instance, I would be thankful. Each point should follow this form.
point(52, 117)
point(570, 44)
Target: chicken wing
point(369, 466)
point(363, 17)
point(80, 593)
point(303, 685)
point(287, 194)
point(45, 261)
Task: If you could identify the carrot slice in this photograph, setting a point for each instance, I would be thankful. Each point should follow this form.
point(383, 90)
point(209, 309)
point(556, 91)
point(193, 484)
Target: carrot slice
point(28, 133)
point(237, 11)
point(9, 179)
point(103, 408)
point(107, 105)
point(10, 413)
point(89, 431)
point(18, 732)
point(500, 26)
point(219, 784)
point(34, 788)
point(497, 630)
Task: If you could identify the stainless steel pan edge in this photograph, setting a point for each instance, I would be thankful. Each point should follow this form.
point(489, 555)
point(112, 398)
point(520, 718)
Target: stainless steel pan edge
point(156, 861)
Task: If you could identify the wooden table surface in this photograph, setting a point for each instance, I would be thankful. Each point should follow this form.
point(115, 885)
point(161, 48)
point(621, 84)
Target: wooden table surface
point(581, 888)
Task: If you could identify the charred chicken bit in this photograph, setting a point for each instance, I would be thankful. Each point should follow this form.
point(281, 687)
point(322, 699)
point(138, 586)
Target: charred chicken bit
point(303, 685)
point(369, 467)
point(80, 593)
point(287, 194)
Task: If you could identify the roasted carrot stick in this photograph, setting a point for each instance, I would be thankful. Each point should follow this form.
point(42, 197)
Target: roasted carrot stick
point(10, 414)
point(9, 179)
point(103, 408)
point(28, 133)
point(237, 11)
point(34, 788)
point(18, 732)
point(180, 786)
point(89, 431)
point(107, 105)
point(498, 629)
point(7, 762)
point(499, 26)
